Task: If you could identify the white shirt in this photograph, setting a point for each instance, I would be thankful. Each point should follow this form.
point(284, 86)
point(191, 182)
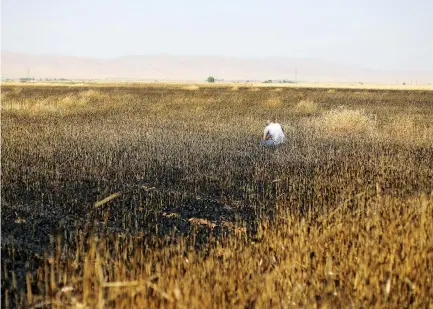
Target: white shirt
point(276, 132)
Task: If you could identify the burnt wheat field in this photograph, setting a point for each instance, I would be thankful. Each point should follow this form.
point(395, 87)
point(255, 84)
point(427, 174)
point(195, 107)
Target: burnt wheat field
point(159, 196)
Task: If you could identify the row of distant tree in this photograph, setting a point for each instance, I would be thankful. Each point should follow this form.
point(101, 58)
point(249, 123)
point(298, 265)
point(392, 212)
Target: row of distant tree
point(32, 79)
point(269, 81)
point(212, 79)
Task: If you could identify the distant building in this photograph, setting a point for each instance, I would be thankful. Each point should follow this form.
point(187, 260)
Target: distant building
point(26, 79)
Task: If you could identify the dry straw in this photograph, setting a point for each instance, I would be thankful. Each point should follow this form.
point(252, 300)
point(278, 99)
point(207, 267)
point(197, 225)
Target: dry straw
point(306, 107)
point(344, 122)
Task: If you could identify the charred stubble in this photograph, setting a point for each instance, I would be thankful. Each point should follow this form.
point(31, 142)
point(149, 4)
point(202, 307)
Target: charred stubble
point(197, 215)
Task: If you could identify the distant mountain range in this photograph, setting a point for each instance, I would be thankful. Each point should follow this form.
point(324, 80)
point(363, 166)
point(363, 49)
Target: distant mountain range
point(197, 68)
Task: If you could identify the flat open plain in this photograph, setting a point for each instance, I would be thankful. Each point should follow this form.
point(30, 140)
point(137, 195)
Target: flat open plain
point(158, 195)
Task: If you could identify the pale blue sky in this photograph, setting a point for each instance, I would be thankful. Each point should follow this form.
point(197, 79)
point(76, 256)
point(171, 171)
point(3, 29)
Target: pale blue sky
point(381, 34)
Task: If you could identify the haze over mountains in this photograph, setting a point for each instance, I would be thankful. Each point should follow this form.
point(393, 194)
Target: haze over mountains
point(197, 68)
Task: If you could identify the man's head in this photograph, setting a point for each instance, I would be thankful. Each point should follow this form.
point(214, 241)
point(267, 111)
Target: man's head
point(269, 121)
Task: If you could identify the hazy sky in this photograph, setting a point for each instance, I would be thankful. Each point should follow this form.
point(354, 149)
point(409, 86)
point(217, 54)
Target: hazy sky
point(382, 34)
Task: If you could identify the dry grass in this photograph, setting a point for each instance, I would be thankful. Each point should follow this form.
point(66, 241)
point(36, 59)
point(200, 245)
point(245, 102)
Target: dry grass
point(306, 107)
point(273, 102)
point(40, 105)
point(191, 87)
point(344, 122)
point(365, 258)
point(408, 127)
point(160, 197)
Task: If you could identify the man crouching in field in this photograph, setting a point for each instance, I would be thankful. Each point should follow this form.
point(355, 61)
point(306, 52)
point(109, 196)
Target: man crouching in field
point(273, 134)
